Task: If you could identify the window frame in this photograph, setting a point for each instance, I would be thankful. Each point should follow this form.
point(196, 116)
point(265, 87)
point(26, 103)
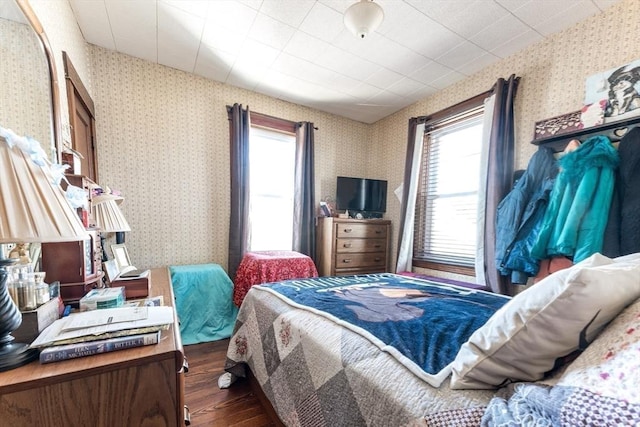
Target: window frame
point(432, 121)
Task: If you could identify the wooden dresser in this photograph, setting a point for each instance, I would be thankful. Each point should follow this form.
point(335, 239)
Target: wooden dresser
point(352, 246)
point(135, 387)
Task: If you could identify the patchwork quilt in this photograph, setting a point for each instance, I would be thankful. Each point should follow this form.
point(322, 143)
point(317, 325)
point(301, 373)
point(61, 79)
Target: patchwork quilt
point(320, 371)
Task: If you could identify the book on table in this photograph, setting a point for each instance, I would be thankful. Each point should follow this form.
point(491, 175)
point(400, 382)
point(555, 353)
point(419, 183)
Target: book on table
point(58, 353)
point(103, 324)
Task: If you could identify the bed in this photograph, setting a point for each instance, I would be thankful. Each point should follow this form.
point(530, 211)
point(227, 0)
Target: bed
point(317, 369)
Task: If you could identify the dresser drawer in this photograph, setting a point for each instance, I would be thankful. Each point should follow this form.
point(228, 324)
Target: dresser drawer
point(348, 260)
point(360, 245)
point(361, 231)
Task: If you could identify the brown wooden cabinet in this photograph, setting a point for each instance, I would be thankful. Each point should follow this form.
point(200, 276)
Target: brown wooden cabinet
point(76, 265)
point(141, 386)
point(352, 246)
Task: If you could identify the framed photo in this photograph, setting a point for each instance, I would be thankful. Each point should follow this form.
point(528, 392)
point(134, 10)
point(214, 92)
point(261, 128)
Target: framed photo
point(121, 256)
point(110, 268)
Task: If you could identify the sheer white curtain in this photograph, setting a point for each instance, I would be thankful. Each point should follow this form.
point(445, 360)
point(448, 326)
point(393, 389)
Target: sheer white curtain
point(489, 106)
point(410, 187)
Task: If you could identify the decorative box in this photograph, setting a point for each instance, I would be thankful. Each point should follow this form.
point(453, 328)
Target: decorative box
point(35, 321)
point(102, 298)
point(135, 287)
point(558, 125)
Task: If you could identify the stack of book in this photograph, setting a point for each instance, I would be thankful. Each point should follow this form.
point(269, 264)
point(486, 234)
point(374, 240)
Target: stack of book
point(101, 331)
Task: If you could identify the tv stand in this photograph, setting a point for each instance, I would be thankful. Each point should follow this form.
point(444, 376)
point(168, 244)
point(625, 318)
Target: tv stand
point(352, 246)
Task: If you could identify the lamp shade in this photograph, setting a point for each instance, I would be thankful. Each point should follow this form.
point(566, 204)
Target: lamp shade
point(107, 214)
point(33, 208)
point(363, 18)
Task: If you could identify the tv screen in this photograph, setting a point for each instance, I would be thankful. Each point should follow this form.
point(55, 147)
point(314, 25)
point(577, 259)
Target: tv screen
point(361, 194)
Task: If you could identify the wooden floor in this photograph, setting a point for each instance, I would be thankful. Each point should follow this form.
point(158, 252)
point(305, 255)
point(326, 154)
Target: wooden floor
point(236, 406)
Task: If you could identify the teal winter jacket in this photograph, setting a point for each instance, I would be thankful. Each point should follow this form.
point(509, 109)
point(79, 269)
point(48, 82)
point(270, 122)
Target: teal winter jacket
point(576, 217)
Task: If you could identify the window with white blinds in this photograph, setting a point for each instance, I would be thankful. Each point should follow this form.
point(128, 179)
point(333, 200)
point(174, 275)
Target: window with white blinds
point(447, 203)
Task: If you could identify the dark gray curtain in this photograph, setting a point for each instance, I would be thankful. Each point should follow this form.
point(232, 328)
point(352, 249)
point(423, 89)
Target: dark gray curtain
point(499, 174)
point(239, 126)
point(304, 203)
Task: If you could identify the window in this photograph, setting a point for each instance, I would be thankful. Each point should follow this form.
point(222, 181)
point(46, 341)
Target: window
point(446, 208)
point(271, 177)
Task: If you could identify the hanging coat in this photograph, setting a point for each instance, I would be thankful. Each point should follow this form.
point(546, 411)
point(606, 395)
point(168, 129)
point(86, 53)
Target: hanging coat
point(622, 236)
point(520, 214)
point(576, 217)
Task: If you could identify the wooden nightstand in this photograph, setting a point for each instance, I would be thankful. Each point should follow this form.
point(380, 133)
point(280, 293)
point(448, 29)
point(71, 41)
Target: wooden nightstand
point(133, 387)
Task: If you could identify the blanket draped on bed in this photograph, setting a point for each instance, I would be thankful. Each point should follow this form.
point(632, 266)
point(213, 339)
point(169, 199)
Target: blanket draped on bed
point(422, 324)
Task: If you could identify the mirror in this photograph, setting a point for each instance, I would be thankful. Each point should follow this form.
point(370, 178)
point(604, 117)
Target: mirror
point(28, 98)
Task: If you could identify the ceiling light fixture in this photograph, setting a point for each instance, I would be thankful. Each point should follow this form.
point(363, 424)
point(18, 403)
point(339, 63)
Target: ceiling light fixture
point(363, 18)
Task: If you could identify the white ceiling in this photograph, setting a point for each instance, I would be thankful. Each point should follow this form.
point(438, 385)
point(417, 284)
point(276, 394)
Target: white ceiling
point(300, 51)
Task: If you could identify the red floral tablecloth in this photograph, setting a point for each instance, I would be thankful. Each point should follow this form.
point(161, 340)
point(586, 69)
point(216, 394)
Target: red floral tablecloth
point(270, 266)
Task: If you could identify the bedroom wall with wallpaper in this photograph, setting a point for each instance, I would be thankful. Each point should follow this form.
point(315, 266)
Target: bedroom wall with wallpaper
point(163, 139)
point(163, 133)
point(553, 74)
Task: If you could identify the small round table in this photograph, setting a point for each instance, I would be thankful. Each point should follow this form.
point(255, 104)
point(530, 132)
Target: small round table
point(270, 266)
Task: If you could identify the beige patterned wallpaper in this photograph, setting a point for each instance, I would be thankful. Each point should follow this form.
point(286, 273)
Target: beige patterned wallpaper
point(24, 84)
point(163, 133)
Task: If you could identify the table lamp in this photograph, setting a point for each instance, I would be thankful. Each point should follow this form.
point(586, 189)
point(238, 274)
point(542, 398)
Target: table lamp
point(33, 208)
point(109, 217)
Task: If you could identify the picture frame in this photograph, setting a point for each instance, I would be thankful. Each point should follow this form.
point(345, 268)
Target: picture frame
point(120, 255)
point(111, 270)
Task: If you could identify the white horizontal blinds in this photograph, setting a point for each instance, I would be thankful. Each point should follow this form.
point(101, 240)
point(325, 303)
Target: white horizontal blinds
point(446, 209)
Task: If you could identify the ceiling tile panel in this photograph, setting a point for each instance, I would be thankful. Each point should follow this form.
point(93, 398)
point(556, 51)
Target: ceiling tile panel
point(323, 22)
point(179, 36)
point(497, 33)
point(140, 48)
point(572, 15)
point(271, 32)
point(94, 17)
point(300, 51)
point(230, 15)
point(132, 20)
point(305, 46)
point(405, 87)
point(290, 12)
point(214, 64)
point(460, 55)
point(428, 73)
point(463, 17)
point(516, 44)
point(383, 78)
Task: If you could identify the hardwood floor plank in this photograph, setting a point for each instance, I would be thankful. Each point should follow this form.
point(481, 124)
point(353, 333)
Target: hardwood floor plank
point(237, 406)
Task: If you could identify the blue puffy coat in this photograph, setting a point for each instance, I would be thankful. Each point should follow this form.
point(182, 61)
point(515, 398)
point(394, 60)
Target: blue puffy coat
point(520, 214)
point(575, 220)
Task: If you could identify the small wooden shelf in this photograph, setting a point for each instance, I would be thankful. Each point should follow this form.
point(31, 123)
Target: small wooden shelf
point(611, 130)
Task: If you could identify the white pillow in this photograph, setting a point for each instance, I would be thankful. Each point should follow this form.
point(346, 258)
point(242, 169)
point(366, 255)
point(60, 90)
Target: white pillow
point(523, 339)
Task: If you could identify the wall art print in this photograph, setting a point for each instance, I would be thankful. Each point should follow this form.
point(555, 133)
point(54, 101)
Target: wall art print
point(620, 87)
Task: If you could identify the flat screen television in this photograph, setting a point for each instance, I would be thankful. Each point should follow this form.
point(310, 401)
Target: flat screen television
point(366, 196)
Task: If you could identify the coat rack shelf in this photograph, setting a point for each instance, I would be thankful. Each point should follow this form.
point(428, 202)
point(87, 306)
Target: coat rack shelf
point(613, 130)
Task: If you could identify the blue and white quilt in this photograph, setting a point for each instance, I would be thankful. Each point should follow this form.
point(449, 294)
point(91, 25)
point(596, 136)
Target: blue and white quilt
point(420, 323)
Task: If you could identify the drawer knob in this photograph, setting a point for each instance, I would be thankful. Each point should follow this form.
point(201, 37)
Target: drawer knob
point(376, 246)
point(348, 230)
point(346, 245)
point(346, 261)
point(377, 259)
point(378, 231)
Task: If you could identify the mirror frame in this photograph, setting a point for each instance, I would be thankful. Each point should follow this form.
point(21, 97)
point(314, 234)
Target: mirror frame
point(35, 23)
